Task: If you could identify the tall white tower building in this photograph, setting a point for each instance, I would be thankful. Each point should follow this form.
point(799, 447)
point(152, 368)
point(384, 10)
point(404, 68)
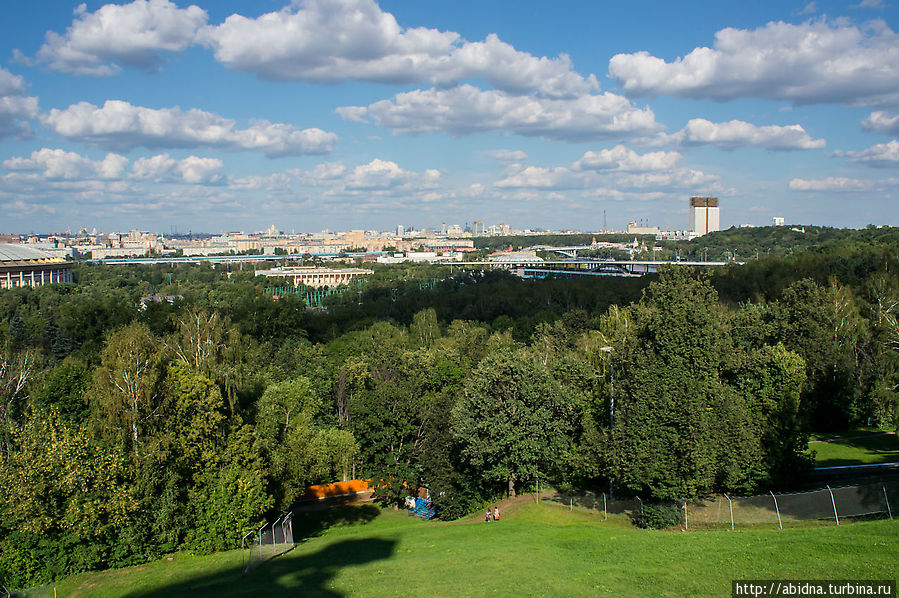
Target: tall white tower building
point(704, 216)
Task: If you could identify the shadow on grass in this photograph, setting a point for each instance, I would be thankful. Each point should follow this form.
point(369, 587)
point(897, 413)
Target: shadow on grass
point(862, 449)
point(307, 575)
point(313, 523)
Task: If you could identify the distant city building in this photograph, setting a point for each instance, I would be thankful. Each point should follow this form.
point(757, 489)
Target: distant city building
point(354, 238)
point(311, 276)
point(419, 256)
point(477, 228)
point(778, 221)
point(675, 235)
point(24, 266)
point(515, 257)
point(704, 215)
point(634, 229)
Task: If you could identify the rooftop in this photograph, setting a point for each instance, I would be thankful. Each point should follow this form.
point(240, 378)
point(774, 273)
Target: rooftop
point(11, 252)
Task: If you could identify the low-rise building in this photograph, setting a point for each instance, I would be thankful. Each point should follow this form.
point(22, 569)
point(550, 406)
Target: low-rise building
point(315, 277)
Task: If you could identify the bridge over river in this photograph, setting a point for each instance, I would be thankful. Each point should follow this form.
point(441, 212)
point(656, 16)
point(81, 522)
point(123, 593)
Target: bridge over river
point(585, 267)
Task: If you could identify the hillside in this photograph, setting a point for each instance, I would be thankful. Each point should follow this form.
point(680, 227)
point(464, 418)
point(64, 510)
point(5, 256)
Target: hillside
point(537, 550)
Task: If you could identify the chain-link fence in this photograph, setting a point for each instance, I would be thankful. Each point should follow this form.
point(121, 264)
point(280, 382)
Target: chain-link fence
point(863, 500)
point(44, 591)
point(267, 542)
point(874, 499)
point(593, 502)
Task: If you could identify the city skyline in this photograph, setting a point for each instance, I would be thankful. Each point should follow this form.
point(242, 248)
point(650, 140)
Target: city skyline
point(360, 115)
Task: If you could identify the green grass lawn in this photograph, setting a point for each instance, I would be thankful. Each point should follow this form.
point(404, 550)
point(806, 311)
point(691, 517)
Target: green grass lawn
point(537, 550)
point(854, 447)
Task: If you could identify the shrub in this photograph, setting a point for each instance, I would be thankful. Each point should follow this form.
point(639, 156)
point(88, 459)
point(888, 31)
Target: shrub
point(660, 516)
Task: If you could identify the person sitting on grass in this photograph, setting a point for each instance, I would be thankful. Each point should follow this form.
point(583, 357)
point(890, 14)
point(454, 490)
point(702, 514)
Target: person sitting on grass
point(496, 512)
point(489, 516)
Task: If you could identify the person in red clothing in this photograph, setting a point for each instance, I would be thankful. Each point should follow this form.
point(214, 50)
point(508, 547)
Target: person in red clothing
point(496, 512)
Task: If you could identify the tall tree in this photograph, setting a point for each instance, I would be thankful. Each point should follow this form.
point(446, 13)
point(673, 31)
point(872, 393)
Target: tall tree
point(513, 421)
point(824, 326)
point(678, 430)
point(125, 392)
point(66, 503)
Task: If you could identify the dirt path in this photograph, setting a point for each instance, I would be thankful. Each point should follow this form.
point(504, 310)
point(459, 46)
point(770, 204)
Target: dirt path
point(507, 506)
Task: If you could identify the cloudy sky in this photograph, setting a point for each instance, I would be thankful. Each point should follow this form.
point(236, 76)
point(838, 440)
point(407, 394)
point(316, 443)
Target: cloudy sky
point(355, 114)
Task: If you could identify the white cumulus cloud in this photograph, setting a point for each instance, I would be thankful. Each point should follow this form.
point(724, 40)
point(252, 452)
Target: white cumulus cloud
point(738, 133)
point(122, 126)
point(882, 155)
point(333, 179)
point(615, 168)
point(339, 40)
point(842, 184)
point(11, 85)
point(16, 109)
point(199, 170)
point(154, 168)
point(809, 63)
point(133, 35)
point(537, 177)
point(59, 167)
point(623, 159)
point(510, 155)
point(881, 122)
point(384, 174)
point(466, 109)
point(164, 168)
point(57, 164)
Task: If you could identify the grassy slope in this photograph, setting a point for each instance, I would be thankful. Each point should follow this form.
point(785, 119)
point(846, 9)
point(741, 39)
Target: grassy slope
point(855, 447)
point(535, 551)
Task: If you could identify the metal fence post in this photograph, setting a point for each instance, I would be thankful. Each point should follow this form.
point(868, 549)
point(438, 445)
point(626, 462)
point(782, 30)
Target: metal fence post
point(274, 546)
point(731, 504)
point(887, 499)
point(779, 523)
point(261, 529)
point(834, 503)
point(246, 551)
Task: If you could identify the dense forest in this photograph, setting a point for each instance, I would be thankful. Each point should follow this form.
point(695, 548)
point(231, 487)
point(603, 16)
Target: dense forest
point(130, 429)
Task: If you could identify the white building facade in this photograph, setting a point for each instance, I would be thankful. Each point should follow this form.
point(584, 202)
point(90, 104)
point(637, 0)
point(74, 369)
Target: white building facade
point(704, 215)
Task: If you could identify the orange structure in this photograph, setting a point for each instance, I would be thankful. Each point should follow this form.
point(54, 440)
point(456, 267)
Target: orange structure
point(336, 489)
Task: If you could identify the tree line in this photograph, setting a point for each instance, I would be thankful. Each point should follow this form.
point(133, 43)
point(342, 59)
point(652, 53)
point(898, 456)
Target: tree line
point(128, 432)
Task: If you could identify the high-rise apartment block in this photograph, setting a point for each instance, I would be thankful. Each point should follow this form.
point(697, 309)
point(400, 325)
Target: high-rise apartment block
point(704, 216)
point(477, 228)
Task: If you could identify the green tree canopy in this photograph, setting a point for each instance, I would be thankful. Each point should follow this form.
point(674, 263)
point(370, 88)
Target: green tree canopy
point(513, 421)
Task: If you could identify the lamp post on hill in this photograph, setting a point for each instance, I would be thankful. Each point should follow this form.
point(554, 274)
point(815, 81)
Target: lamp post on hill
point(608, 349)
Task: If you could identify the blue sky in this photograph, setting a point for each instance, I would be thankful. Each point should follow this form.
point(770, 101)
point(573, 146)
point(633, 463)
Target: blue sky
point(355, 114)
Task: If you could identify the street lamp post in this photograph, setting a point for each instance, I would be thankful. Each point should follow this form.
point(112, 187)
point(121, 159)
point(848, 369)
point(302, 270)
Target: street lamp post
point(608, 350)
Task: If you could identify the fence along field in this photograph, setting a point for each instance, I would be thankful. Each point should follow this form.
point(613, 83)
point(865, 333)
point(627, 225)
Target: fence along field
point(875, 499)
point(270, 540)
